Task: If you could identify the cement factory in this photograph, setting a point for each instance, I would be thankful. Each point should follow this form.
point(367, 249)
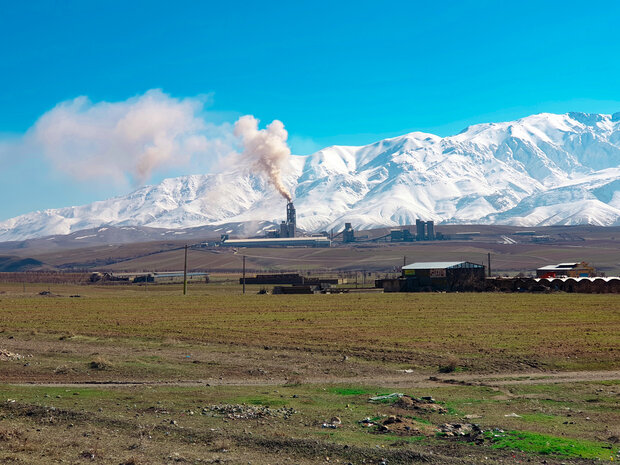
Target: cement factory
point(287, 235)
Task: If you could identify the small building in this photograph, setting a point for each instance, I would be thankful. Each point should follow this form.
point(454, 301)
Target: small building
point(299, 289)
point(288, 278)
point(279, 242)
point(401, 235)
point(569, 270)
point(171, 277)
point(437, 276)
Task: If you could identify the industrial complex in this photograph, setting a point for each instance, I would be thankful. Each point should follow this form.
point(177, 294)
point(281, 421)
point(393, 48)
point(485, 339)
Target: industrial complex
point(287, 235)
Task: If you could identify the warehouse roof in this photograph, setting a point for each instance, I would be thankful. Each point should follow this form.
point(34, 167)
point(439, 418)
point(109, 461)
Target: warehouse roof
point(440, 265)
point(560, 266)
point(274, 240)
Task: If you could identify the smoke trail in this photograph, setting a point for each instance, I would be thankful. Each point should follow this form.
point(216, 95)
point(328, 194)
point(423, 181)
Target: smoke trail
point(266, 147)
point(119, 140)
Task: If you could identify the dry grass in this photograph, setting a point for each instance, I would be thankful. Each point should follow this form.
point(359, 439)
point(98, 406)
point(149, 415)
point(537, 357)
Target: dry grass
point(472, 331)
point(284, 351)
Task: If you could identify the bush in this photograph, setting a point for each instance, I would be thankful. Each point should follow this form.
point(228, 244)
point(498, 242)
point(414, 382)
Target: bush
point(449, 367)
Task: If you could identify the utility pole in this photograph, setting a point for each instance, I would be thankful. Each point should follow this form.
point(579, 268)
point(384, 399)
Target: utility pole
point(244, 274)
point(489, 260)
point(185, 273)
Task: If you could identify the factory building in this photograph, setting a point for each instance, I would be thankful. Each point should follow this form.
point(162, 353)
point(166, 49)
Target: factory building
point(288, 278)
point(437, 276)
point(279, 242)
point(401, 235)
point(288, 227)
point(166, 277)
point(348, 235)
point(284, 237)
point(569, 270)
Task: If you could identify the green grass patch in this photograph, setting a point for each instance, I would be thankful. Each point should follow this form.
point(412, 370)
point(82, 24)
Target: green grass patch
point(550, 445)
point(351, 391)
point(266, 401)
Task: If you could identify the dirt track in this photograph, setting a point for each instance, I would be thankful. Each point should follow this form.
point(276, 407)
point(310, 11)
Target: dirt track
point(396, 380)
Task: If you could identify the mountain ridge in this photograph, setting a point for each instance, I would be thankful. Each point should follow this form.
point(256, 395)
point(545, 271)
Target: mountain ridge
point(539, 170)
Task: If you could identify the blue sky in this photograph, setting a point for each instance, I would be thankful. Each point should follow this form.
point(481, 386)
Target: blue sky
point(332, 72)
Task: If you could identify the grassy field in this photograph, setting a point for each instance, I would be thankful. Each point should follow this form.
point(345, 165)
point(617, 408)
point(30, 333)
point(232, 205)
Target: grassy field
point(129, 374)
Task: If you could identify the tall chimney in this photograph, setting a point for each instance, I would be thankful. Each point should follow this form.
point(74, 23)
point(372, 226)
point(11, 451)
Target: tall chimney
point(291, 219)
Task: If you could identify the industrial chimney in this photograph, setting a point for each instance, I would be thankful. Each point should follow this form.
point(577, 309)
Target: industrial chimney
point(288, 227)
point(291, 219)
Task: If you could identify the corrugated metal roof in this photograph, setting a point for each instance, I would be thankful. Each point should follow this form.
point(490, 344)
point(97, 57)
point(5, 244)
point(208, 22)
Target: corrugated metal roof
point(433, 265)
point(559, 266)
point(277, 239)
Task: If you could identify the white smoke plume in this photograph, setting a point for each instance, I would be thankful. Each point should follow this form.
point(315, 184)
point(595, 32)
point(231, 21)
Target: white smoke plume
point(114, 141)
point(267, 149)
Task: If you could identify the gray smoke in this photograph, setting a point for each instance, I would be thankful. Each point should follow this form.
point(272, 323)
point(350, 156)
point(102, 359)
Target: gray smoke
point(113, 141)
point(267, 149)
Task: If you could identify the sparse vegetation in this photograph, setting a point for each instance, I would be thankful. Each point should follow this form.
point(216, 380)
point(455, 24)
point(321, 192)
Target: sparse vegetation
point(208, 349)
point(99, 363)
point(549, 445)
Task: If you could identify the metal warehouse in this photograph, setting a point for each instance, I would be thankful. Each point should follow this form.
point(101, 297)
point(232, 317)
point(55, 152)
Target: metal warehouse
point(571, 270)
point(279, 242)
point(437, 276)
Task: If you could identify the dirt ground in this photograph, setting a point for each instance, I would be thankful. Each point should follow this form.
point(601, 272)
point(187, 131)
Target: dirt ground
point(114, 377)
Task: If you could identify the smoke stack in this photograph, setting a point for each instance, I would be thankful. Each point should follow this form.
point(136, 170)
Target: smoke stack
point(288, 228)
point(291, 219)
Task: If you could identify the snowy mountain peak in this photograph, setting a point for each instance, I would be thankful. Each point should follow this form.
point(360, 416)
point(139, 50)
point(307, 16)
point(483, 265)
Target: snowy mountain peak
point(540, 170)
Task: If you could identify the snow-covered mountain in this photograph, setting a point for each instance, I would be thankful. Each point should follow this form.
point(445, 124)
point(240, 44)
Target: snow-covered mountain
point(545, 169)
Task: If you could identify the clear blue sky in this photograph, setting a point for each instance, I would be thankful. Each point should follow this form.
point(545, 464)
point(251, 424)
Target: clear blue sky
point(333, 72)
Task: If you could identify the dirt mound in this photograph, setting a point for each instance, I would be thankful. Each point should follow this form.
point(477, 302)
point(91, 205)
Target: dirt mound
point(423, 404)
point(247, 412)
point(399, 425)
point(6, 355)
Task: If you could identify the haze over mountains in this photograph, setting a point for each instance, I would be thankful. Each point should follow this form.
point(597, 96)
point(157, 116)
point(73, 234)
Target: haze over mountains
point(541, 170)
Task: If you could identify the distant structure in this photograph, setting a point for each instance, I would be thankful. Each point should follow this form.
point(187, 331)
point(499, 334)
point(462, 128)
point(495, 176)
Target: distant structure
point(401, 235)
point(283, 237)
point(288, 227)
point(430, 230)
point(348, 235)
point(279, 242)
point(287, 278)
point(568, 270)
point(425, 230)
point(436, 276)
point(164, 277)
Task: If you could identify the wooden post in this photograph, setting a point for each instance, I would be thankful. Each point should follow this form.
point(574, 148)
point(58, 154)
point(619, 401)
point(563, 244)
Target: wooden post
point(244, 274)
point(489, 260)
point(185, 273)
